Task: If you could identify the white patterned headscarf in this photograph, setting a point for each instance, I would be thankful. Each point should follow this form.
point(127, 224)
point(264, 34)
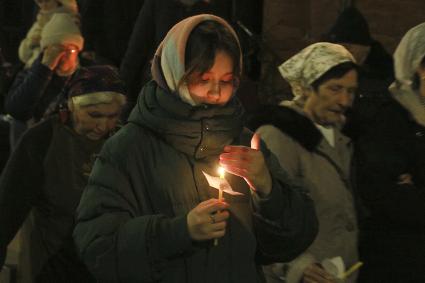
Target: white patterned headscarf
point(407, 58)
point(305, 67)
point(408, 55)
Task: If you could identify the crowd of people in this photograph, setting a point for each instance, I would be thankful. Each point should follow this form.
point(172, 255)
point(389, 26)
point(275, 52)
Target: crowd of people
point(142, 165)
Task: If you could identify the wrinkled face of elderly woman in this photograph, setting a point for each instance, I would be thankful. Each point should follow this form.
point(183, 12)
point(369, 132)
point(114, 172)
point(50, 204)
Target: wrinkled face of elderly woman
point(327, 105)
point(95, 121)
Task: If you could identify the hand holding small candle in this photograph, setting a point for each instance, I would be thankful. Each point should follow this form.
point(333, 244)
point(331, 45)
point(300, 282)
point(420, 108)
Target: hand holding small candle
point(204, 223)
point(221, 172)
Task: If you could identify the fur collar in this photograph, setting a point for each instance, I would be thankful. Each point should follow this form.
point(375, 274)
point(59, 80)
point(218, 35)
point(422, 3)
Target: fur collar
point(290, 122)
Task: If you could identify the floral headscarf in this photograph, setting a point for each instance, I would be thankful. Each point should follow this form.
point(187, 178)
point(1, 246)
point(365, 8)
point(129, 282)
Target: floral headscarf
point(311, 63)
point(169, 60)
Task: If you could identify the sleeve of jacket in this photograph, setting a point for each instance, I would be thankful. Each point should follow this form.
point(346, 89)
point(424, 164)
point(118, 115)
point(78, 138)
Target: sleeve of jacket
point(116, 241)
point(140, 49)
point(26, 89)
point(20, 185)
point(285, 221)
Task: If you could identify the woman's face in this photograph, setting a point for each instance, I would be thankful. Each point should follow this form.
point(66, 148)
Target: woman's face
point(327, 105)
point(216, 85)
point(68, 61)
point(95, 121)
point(47, 5)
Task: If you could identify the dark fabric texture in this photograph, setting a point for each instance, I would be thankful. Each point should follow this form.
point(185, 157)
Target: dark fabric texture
point(350, 27)
point(391, 144)
point(178, 122)
point(107, 26)
point(375, 76)
point(4, 143)
point(56, 163)
point(132, 223)
point(32, 92)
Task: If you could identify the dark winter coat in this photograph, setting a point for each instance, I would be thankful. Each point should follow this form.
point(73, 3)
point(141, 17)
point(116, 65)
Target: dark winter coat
point(132, 224)
point(41, 185)
point(393, 226)
point(32, 92)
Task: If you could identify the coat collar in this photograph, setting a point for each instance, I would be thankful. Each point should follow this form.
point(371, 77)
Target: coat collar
point(199, 131)
point(290, 122)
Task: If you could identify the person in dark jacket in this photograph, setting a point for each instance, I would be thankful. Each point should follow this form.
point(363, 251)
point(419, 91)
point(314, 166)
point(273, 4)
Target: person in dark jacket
point(46, 174)
point(34, 89)
point(391, 173)
point(375, 66)
point(152, 209)
point(37, 88)
point(154, 21)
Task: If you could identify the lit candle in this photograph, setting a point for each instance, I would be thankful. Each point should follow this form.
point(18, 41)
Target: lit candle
point(220, 190)
point(221, 172)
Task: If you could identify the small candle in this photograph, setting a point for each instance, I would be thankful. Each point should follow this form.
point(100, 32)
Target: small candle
point(221, 172)
point(353, 268)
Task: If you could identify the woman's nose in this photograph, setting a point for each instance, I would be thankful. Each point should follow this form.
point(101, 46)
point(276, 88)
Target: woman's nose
point(214, 88)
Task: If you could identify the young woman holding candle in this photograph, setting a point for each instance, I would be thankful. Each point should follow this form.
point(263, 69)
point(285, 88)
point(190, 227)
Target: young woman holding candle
point(149, 214)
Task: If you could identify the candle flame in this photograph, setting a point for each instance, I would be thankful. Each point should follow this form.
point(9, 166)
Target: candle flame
point(221, 171)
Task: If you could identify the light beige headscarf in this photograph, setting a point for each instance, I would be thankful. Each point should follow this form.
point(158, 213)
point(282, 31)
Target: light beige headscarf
point(302, 69)
point(407, 57)
point(170, 55)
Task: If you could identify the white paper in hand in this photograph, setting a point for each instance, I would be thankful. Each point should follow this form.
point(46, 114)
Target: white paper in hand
point(217, 182)
point(334, 266)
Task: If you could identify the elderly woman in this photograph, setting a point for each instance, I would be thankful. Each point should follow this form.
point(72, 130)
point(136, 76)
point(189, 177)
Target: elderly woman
point(391, 173)
point(36, 89)
point(46, 174)
point(152, 209)
point(305, 136)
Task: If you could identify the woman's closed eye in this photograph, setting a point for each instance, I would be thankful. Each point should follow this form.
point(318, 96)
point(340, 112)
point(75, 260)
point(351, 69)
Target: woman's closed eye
point(335, 88)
